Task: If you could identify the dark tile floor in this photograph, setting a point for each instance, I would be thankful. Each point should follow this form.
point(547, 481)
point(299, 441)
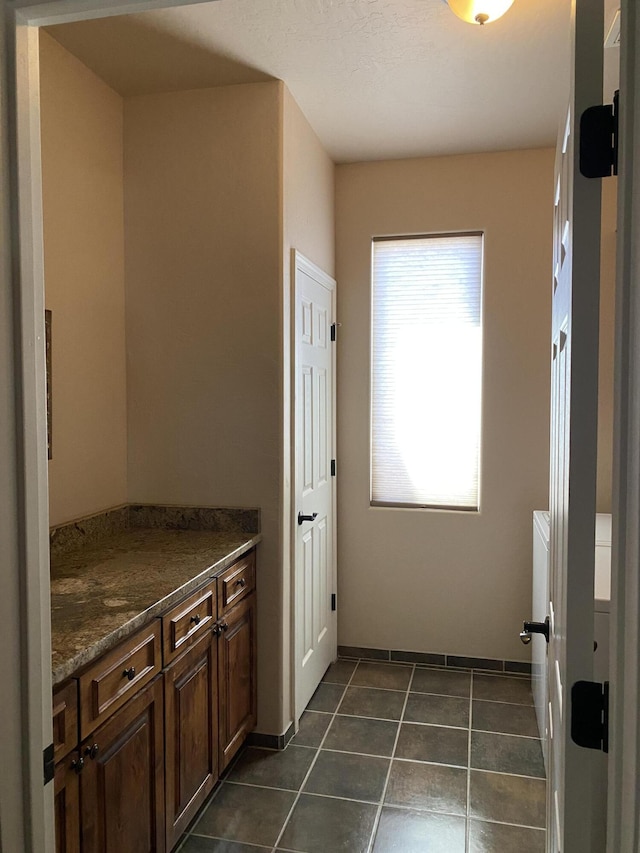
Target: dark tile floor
point(390, 758)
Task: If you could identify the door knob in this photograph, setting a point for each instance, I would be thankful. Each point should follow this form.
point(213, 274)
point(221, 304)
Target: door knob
point(77, 764)
point(530, 628)
point(302, 517)
point(525, 636)
point(92, 751)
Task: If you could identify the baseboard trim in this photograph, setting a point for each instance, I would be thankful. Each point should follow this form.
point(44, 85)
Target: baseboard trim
point(508, 667)
point(512, 667)
point(267, 741)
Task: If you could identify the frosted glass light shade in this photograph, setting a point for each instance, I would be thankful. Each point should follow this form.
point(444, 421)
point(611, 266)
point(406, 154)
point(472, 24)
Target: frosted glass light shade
point(479, 11)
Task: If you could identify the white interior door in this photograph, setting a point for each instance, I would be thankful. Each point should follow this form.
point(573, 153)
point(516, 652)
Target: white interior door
point(574, 410)
point(314, 491)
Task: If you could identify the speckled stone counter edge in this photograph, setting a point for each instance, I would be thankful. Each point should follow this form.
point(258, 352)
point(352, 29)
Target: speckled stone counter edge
point(93, 528)
point(72, 665)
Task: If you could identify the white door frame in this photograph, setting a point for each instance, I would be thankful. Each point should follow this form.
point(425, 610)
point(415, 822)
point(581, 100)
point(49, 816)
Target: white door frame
point(300, 263)
point(623, 822)
point(26, 816)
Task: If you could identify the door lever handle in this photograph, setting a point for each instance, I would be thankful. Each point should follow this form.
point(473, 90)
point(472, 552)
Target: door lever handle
point(302, 518)
point(530, 628)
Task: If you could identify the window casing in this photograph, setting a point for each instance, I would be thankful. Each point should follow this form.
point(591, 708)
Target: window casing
point(426, 371)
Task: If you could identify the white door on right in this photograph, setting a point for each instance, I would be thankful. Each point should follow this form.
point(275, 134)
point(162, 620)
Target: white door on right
point(574, 411)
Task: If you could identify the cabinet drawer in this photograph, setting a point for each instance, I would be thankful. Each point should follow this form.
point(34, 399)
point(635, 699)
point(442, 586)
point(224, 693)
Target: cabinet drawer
point(116, 676)
point(65, 720)
point(237, 582)
point(184, 624)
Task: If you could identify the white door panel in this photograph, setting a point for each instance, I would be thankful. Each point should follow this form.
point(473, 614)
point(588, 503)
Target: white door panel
point(314, 491)
point(574, 412)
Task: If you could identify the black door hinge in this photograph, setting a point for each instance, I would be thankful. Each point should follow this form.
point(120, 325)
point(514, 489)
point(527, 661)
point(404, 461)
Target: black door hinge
point(333, 601)
point(334, 327)
point(333, 467)
point(48, 762)
point(599, 140)
point(590, 714)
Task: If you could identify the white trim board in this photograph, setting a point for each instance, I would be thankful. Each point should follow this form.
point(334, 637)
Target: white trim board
point(623, 822)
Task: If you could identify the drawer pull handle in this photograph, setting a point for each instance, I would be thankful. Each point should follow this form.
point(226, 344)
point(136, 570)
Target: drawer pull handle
point(77, 764)
point(92, 751)
point(130, 673)
point(196, 619)
point(241, 582)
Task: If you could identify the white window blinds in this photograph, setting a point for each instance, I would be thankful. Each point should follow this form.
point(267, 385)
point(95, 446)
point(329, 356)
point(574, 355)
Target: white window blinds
point(426, 371)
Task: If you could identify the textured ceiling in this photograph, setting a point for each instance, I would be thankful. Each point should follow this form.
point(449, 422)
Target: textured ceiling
point(376, 78)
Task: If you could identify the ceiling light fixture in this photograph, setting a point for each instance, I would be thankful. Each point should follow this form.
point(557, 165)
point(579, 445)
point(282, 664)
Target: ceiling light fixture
point(479, 11)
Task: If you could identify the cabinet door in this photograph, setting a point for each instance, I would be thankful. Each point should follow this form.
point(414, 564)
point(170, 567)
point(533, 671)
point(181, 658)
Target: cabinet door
point(123, 779)
point(237, 677)
point(191, 733)
point(66, 787)
point(65, 720)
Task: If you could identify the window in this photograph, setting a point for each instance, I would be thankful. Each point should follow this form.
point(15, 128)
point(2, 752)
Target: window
point(426, 371)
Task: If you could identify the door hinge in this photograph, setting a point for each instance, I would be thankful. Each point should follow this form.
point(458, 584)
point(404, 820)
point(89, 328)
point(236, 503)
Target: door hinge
point(48, 763)
point(590, 714)
point(334, 327)
point(333, 601)
point(599, 140)
point(333, 467)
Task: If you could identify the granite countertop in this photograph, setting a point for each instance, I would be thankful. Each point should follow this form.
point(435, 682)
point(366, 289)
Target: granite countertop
point(104, 591)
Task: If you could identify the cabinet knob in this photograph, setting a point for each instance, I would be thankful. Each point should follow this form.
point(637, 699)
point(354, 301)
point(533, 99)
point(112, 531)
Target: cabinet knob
point(77, 764)
point(92, 751)
point(216, 629)
point(241, 582)
point(196, 619)
point(130, 673)
point(223, 626)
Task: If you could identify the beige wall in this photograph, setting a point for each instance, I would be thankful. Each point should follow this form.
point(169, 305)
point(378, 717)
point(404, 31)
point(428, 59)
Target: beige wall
point(82, 176)
point(203, 262)
point(308, 227)
point(606, 353)
point(438, 581)
point(220, 185)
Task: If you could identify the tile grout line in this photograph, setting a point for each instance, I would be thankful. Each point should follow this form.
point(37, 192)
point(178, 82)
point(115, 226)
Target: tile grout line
point(399, 723)
point(420, 761)
point(503, 702)
point(376, 821)
point(315, 758)
point(467, 826)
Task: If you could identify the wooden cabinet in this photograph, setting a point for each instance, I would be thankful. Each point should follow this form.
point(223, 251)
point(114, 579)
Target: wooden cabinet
point(160, 717)
point(117, 676)
point(66, 791)
point(191, 733)
point(185, 623)
point(68, 766)
point(65, 720)
point(236, 678)
point(123, 779)
point(237, 582)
